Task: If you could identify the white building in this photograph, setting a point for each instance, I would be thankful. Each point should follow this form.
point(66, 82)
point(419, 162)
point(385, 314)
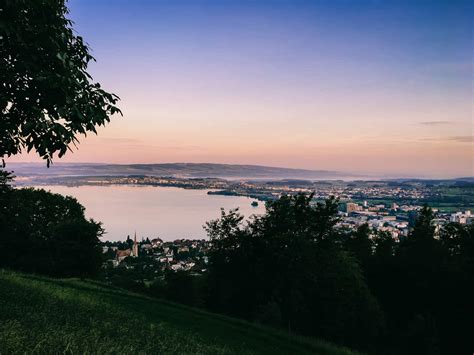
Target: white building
point(462, 217)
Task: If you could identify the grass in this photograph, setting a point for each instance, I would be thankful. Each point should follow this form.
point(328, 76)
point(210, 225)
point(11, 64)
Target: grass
point(42, 315)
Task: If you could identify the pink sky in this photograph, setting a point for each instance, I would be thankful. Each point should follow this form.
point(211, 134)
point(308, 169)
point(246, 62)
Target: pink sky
point(376, 93)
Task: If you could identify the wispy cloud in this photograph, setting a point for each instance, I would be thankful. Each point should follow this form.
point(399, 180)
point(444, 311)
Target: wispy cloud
point(457, 139)
point(121, 140)
point(462, 139)
point(436, 123)
point(178, 147)
point(143, 144)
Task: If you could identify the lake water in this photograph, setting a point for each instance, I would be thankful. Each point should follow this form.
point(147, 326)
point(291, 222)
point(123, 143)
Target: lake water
point(165, 212)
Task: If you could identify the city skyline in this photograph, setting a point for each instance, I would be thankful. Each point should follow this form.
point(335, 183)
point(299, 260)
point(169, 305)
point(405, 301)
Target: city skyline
point(364, 87)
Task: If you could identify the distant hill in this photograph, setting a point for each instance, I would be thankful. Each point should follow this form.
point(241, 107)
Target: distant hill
point(30, 171)
point(45, 316)
point(467, 180)
point(172, 169)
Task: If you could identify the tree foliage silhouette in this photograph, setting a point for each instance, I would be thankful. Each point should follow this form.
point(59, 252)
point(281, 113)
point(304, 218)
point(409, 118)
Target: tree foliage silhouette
point(295, 268)
point(291, 262)
point(47, 97)
point(47, 233)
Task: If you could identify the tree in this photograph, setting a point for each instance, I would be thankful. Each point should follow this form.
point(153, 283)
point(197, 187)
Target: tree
point(6, 178)
point(47, 97)
point(361, 245)
point(384, 246)
point(419, 262)
point(423, 230)
point(455, 309)
point(234, 283)
point(75, 248)
point(291, 261)
point(48, 233)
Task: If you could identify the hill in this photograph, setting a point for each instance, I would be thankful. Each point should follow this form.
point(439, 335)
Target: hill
point(189, 170)
point(43, 315)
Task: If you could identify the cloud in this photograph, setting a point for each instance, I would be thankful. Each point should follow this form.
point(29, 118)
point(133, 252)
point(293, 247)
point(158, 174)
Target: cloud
point(436, 123)
point(132, 143)
point(457, 139)
point(461, 139)
point(120, 140)
point(177, 147)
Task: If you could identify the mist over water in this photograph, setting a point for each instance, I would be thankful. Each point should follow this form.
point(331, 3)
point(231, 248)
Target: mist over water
point(165, 212)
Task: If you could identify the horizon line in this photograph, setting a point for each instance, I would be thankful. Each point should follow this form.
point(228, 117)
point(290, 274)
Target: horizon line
point(381, 176)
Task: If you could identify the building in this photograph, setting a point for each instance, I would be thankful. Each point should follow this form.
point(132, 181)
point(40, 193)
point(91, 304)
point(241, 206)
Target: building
point(123, 254)
point(352, 207)
point(462, 217)
point(135, 246)
point(156, 243)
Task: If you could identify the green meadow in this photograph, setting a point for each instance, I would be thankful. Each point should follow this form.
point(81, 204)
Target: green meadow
point(40, 315)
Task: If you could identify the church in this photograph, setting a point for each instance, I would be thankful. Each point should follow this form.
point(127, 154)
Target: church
point(122, 254)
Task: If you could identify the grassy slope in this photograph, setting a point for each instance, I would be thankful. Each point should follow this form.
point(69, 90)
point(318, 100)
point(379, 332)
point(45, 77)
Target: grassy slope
point(42, 315)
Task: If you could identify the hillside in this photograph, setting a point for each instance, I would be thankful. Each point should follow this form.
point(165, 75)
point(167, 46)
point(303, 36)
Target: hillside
point(171, 169)
point(43, 315)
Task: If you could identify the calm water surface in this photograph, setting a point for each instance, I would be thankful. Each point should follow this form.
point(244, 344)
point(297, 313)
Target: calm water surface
point(166, 212)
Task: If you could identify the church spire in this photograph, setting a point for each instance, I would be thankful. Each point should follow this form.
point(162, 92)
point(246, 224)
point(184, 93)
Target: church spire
point(135, 246)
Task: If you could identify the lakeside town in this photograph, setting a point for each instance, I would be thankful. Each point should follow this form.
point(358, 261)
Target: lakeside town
point(447, 195)
point(390, 206)
point(152, 256)
point(181, 254)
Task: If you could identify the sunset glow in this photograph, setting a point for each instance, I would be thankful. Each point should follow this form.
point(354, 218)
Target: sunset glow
point(373, 87)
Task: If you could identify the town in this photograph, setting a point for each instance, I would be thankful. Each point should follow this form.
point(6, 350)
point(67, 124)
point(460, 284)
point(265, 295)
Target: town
point(148, 258)
point(445, 195)
point(183, 254)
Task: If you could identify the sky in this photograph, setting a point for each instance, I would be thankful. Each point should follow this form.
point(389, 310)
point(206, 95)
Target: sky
point(374, 87)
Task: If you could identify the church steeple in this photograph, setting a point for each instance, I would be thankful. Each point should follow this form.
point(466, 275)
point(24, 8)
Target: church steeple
point(135, 246)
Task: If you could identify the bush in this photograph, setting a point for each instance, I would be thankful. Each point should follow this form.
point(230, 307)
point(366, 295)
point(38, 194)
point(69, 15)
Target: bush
point(47, 233)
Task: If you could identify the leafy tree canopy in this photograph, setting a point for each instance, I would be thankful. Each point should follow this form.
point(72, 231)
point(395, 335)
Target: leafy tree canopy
point(47, 233)
point(47, 98)
point(289, 266)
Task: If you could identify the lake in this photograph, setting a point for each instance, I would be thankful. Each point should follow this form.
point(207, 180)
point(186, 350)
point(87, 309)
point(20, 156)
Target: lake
point(165, 212)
